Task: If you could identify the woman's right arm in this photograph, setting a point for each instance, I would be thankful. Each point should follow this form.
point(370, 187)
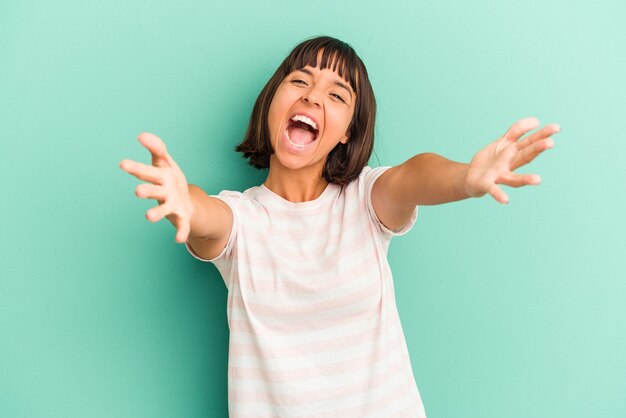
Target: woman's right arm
point(211, 223)
point(202, 220)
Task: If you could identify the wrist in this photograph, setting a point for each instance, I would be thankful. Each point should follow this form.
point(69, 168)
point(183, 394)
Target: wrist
point(463, 188)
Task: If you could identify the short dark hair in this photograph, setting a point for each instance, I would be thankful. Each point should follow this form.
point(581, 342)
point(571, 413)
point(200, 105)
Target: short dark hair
point(345, 161)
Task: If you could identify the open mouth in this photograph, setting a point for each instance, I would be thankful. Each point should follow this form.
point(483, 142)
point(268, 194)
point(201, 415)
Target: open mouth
point(301, 131)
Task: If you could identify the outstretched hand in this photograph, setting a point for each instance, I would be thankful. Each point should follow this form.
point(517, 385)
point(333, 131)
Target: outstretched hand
point(169, 186)
point(495, 163)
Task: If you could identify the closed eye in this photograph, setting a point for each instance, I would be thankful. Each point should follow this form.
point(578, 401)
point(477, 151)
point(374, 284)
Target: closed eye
point(302, 82)
point(337, 96)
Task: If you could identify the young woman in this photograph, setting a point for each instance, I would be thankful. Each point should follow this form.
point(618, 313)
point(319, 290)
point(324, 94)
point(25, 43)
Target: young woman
point(314, 328)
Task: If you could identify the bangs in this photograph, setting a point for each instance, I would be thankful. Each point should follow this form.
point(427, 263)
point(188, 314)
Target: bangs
point(346, 161)
point(337, 56)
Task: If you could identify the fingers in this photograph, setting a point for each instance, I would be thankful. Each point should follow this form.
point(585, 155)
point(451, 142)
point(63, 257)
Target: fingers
point(543, 133)
point(531, 146)
point(519, 180)
point(167, 180)
point(497, 193)
point(157, 213)
point(160, 158)
point(180, 222)
point(151, 191)
point(510, 153)
point(520, 127)
point(156, 146)
point(183, 232)
point(530, 152)
point(142, 171)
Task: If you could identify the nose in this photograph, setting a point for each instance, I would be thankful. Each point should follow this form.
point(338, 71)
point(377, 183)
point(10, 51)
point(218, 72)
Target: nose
point(311, 97)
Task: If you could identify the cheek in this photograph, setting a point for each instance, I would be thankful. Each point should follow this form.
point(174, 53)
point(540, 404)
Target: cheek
point(278, 105)
point(341, 120)
point(350, 119)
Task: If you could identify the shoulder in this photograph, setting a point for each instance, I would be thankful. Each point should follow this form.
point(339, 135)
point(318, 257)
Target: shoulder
point(248, 206)
point(361, 187)
point(369, 173)
point(372, 199)
point(237, 198)
point(368, 177)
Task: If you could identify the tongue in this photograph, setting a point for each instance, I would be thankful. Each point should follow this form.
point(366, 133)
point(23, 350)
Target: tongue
point(300, 136)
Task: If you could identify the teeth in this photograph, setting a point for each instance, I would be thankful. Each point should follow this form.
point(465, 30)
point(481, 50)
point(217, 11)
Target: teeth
point(302, 118)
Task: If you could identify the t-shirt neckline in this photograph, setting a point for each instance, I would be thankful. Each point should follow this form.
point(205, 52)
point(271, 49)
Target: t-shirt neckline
point(274, 197)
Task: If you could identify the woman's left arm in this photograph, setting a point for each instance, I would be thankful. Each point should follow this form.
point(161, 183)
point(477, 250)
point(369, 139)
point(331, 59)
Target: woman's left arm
point(429, 179)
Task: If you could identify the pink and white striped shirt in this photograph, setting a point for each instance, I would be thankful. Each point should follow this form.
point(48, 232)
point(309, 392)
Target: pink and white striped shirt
point(314, 328)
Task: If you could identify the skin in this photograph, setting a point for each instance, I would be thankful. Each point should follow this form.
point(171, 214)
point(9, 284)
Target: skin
point(425, 179)
point(297, 176)
point(429, 179)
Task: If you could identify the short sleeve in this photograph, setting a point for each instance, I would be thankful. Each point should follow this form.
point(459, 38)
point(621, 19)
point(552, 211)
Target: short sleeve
point(226, 254)
point(368, 177)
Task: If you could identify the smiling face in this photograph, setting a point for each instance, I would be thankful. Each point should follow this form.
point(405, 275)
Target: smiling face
point(309, 115)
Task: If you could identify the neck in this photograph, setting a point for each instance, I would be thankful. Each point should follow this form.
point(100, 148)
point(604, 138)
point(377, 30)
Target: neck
point(295, 185)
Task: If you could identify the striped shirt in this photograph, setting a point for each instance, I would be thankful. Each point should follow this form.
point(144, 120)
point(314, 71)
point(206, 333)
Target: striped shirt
point(314, 327)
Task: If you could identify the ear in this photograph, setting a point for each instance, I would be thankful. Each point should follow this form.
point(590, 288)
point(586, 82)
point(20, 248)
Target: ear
point(344, 140)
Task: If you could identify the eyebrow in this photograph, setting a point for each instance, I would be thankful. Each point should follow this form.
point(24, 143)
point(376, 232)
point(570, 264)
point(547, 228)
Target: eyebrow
point(336, 82)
